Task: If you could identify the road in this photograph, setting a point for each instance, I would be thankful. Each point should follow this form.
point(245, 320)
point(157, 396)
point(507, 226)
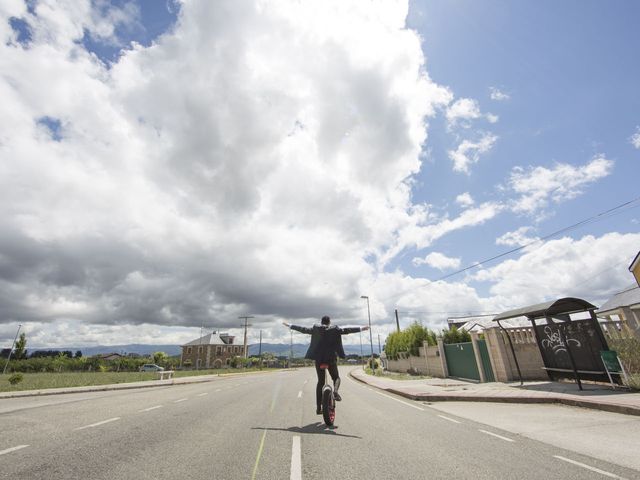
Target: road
point(264, 426)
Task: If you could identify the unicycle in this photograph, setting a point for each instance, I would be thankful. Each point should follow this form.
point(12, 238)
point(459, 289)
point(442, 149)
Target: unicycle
point(328, 400)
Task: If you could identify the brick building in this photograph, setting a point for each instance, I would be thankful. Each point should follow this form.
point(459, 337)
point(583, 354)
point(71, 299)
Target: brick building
point(214, 350)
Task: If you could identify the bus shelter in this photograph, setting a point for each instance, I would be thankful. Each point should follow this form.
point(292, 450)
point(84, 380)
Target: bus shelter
point(568, 336)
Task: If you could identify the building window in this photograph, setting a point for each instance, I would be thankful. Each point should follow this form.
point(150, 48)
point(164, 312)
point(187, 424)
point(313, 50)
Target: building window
point(199, 350)
point(188, 350)
point(218, 350)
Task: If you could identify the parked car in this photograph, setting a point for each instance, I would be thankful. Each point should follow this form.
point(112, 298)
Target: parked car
point(151, 367)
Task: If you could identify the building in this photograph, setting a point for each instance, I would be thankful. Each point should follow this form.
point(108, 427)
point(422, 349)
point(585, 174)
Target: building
point(635, 268)
point(214, 350)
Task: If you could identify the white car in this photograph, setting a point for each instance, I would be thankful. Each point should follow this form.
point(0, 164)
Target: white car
point(151, 367)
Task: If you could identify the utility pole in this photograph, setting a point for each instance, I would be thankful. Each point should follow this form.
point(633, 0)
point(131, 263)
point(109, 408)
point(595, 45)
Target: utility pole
point(12, 345)
point(246, 318)
point(397, 321)
point(379, 348)
point(260, 351)
point(361, 354)
point(291, 349)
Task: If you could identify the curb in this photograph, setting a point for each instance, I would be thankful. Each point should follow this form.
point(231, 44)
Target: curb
point(572, 402)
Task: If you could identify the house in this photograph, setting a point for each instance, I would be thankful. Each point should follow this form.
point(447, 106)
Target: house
point(625, 305)
point(109, 356)
point(214, 350)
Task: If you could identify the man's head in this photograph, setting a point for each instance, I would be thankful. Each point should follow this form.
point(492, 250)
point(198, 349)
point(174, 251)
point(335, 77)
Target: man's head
point(326, 320)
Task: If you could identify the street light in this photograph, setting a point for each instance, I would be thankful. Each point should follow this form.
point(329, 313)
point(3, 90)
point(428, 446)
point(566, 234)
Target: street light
point(370, 334)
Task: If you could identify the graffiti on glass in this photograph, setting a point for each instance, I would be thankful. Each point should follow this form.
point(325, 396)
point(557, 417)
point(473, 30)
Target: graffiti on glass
point(554, 341)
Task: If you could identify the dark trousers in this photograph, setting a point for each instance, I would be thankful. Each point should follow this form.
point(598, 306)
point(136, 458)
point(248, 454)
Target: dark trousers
point(333, 371)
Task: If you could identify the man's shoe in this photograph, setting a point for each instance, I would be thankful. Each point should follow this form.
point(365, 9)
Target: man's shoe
point(318, 411)
point(337, 396)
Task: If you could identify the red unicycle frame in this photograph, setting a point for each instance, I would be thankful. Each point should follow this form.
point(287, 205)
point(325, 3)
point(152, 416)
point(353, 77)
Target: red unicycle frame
point(328, 399)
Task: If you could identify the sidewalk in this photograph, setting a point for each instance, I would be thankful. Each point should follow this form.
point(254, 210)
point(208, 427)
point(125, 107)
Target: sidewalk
point(599, 397)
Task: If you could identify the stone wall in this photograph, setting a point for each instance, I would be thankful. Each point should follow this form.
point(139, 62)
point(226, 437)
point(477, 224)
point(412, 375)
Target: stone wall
point(526, 350)
point(429, 363)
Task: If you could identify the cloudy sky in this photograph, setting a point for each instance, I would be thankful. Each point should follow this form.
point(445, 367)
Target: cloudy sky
point(166, 165)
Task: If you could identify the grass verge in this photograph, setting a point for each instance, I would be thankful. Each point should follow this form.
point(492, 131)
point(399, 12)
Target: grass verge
point(42, 381)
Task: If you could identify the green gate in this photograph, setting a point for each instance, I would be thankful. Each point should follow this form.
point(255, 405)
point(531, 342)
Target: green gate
point(486, 362)
point(461, 361)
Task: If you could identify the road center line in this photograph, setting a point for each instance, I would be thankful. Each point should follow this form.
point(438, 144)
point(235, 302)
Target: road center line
point(255, 466)
point(300, 394)
point(181, 400)
point(593, 469)
point(497, 436)
point(12, 449)
point(449, 419)
point(151, 408)
point(398, 400)
point(296, 460)
point(98, 424)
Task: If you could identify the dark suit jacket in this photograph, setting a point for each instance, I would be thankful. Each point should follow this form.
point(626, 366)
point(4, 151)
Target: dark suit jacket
point(326, 341)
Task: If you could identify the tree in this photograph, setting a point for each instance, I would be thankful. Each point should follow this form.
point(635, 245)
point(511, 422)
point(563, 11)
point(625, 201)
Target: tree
point(453, 335)
point(21, 347)
point(160, 358)
point(78, 354)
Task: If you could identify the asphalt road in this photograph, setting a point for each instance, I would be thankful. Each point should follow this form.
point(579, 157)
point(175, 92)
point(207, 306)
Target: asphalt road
point(264, 426)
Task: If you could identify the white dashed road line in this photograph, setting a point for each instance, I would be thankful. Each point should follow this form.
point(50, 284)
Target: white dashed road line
point(99, 423)
point(593, 469)
point(202, 394)
point(181, 400)
point(449, 419)
point(300, 394)
point(151, 408)
point(401, 401)
point(296, 460)
point(13, 449)
point(497, 436)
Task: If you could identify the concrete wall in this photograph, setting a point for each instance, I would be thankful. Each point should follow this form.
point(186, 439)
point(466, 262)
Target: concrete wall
point(526, 350)
point(428, 363)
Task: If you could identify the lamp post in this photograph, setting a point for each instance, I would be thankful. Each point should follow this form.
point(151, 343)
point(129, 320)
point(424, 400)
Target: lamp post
point(370, 333)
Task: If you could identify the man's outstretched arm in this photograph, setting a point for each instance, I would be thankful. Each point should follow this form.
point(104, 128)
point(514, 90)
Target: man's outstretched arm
point(298, 328)
point(348, 330)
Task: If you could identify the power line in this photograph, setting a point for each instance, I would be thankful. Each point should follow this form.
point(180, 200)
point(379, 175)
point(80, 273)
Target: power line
point(595, 218)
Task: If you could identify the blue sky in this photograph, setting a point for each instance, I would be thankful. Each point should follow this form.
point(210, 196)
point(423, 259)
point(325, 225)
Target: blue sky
point(169, 165)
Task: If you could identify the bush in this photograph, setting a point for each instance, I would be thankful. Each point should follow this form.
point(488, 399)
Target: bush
point(409, 340)
point(453, 335)
point(629, 354)
point(16, 378)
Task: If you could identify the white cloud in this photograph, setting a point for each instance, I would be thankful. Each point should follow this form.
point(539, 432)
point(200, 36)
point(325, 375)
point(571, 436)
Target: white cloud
point(463, 109)
point(593, 268)
point(465, 199)
point(539, 186)
point(517, 238)
point(491, 118)
point(635, 138)
point(468, 152)
point(498, 95)
point(437, 260)
point(179, 191)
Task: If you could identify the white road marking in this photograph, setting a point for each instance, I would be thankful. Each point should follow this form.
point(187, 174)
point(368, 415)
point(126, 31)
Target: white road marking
point(151, 408)
point(450, 419)
point(296, 460)
point(181, 400)
point(202, 394)
point(98, 424)
point(593, 469)
point(218, 389)
point(13, 449)
point(300, 394)
point(305, 382)
point(398, 400)
point(497, 436)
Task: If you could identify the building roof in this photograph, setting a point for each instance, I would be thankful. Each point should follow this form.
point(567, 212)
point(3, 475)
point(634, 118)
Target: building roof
point(635, 262)
point(486, 321)
point(626, 298)
point(554, 307)
point(213, 338)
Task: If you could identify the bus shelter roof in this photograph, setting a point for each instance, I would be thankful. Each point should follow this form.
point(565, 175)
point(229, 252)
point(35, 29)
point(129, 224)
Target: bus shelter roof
point(561, 306)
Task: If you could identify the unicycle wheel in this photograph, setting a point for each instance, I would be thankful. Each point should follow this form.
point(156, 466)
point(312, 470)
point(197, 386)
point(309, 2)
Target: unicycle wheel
point(328, 407)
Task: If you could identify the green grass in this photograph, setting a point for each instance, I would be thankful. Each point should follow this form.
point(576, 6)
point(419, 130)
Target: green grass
point(394, 376)
point(41, 381)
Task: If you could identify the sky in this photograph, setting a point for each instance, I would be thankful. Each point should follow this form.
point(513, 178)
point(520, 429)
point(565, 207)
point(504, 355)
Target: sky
point(168, 166)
